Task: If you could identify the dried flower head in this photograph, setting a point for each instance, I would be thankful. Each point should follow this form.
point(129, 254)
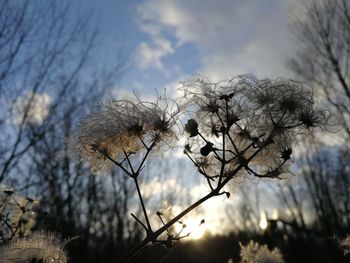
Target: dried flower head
point(123, 127)
point(254, 122)
point(44, 247)
point(345, 245)
point(255, 253)
point(18, 214)
point(259, 104)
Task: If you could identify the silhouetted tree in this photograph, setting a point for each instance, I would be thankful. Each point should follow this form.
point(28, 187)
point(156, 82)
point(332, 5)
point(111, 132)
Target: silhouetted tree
point(47, 83)
point(323, 34)
point(321, 193)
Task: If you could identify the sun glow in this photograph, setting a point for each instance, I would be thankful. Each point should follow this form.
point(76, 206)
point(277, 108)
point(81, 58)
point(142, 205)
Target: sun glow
point(263, 221)
point(195, 228)
point(275, 214)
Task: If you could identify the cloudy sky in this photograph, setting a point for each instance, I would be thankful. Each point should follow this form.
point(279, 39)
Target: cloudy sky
point(168, 41)
point(171, 40)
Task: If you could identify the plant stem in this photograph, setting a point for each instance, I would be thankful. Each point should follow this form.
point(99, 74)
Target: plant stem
point(153, 236)
point(142, 204)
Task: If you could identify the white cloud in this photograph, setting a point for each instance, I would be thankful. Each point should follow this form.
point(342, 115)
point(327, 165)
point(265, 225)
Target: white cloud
point(34, 106)
point(150, 55)
point(233, 37)
point(189, 21)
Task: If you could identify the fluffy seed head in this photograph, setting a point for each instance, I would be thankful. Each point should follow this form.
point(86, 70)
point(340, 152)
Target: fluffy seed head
point(252, 124)
point(255, 253)
point(38, 246)
point(122, 127)
point(345, 245)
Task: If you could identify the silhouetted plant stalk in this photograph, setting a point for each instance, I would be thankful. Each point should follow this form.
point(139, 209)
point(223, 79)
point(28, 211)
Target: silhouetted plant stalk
point(241, 128)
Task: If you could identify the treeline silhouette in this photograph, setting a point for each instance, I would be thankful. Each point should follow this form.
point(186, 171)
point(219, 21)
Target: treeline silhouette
point(295, 247)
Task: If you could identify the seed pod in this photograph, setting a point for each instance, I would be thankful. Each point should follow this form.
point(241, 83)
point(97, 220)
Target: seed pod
point(192, 127)
point(207, 149)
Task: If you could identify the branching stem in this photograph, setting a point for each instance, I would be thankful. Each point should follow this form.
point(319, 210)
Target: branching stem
point(142, 205)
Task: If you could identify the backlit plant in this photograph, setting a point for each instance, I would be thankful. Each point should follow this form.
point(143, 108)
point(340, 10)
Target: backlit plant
point(240, 128)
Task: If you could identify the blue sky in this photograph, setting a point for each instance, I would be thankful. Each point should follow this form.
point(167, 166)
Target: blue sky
point(171, 40)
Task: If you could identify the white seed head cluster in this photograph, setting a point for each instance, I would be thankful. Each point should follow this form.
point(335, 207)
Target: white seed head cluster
point(257, 105)
point(255, 253)
point(119, 128)
point(39, 246)
point(253, 114)
point(345, 245)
